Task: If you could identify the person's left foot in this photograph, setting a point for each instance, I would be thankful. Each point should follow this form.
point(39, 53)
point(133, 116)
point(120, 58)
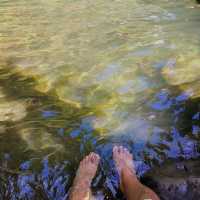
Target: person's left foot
point(85, 173)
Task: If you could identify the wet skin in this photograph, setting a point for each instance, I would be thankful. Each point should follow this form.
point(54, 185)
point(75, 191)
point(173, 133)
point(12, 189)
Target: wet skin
point(129, 184)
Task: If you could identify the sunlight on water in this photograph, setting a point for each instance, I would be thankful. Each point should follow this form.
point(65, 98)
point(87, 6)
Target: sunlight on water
point(11, 110)
point(81, 75)
point(108, 56)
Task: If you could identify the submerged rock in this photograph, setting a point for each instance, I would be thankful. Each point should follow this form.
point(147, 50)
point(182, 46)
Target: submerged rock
point(11, 110)
point(185, 74)
point(175, 180)
point(39, 140)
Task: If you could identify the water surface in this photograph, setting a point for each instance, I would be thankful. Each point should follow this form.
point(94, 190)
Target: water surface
point(81, 76)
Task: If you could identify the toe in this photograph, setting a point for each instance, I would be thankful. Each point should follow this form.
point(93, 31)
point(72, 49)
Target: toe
point(115, 150)
point(81, 163)
point(92, 157)
point(96, 158)
point(128, 154)
point(121, 149)
point(126, 151)
point(87, 159)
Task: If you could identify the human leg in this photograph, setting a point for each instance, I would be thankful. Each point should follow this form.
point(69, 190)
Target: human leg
point(129, 184)
point(85, 173)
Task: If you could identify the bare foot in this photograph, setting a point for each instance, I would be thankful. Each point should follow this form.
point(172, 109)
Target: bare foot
point(124, 162)
point(129, 184)
point(85, 173)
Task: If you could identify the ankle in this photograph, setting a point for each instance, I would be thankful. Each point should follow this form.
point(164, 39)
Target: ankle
point(129, 174)
point(80, 193)
point(82, 183)
point(127, 177)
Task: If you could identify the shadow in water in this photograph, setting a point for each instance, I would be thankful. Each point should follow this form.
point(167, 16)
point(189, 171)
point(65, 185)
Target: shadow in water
point(40, 152)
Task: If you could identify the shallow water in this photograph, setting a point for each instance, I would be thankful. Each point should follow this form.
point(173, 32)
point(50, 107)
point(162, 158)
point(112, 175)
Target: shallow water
point(81, 76)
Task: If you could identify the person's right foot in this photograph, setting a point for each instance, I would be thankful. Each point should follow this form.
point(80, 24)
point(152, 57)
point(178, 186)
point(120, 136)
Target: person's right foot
point(85, 173)
point(123, 161)
point(129, 184)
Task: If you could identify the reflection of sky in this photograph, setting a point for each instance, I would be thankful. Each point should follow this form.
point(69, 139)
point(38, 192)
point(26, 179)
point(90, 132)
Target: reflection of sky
point(165, 16)
point(139, 84)
point(52, 181)
point(74, 51)
point(136, 128)
point(49, 113)
point(182, 146)
point(195, 130)
point(85, 127)
point(196, 116)
point(142, 52)
point(134, 131)
point(109, 72)
point(160, 64)
point(163, 102)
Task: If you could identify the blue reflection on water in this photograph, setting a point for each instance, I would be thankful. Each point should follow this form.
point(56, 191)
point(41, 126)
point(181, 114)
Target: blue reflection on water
point(49, 113)
point(24, 187)
point(86, 124)
point(108, 72)
point(55, 180)
point(160, 64)
point(75, 133)
point(142, 52)
point(196, 116)
point(139, 84)
point(195, 130)
point(163, 101)
point(183, 97)
point(61, 131)
point(85, 128)
point(25, 165)
point(182, 146)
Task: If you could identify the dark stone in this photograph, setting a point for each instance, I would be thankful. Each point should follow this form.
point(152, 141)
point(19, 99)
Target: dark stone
point(172, 183)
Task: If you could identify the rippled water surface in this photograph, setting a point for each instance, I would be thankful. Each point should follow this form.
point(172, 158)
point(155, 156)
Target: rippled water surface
point(80, 76)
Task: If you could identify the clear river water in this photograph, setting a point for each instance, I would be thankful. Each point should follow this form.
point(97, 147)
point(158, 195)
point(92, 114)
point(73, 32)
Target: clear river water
point(81, 75)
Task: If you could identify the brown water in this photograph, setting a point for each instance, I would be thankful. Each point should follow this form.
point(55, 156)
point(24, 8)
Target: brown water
point(80, 76)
